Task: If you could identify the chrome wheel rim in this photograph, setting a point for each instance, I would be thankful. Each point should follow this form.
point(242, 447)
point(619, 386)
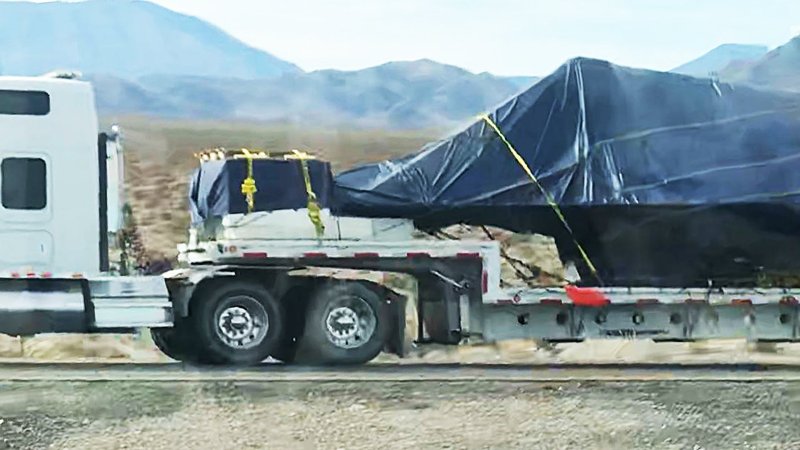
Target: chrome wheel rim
point(241, 322)
point(349, 322)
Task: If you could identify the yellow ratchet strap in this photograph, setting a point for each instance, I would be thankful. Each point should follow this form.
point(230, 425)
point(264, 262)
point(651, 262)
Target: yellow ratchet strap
point(549, 198)
point(249, 184)
point(314, 210)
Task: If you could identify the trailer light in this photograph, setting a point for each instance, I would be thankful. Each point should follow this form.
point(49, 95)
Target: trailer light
point(46, 275)
point(741, 301)
point(366, 255)
point(255, 255)
point(485, 282)
point(14, 274)
point(417, 255)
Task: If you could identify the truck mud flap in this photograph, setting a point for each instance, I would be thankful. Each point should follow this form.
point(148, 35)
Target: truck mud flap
point(438, 312)
point(396, 342)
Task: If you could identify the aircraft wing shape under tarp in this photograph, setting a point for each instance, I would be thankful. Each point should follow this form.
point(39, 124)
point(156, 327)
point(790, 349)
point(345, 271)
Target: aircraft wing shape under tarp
point(663, 178)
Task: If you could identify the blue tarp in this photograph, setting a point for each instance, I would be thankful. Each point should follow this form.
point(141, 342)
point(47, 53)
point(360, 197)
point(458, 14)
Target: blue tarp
point(665, 179)
point(216, 187)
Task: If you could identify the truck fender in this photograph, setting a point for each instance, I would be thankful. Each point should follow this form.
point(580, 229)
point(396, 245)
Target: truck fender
point(182, 284)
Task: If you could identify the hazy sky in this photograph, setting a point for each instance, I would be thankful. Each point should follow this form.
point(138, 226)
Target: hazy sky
point(507, 37)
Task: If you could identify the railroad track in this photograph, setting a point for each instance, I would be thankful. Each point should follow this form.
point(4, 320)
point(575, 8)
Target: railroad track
point(517, 373)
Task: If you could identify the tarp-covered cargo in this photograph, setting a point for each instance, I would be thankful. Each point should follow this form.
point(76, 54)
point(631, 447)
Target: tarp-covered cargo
point(664, 179)
point(216, 187)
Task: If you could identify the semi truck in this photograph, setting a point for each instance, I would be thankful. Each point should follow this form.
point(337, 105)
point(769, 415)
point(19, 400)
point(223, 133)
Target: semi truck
point(244, 295)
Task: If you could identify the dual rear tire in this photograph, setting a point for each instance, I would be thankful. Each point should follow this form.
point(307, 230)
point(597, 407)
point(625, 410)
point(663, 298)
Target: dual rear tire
point(235, 322)
point(230, 323)
point(346, 323)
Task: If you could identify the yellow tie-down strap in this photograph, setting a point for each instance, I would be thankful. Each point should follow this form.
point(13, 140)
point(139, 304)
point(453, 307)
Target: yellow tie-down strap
point(314, 210)
point(549, 198)
point(249, 184)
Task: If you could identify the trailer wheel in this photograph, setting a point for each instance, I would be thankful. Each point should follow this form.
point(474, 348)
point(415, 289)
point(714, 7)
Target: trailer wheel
point(237, 322)
point(346, 324)
point(176, 343)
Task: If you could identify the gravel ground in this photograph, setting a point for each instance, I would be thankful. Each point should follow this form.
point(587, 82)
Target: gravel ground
point(479, 415)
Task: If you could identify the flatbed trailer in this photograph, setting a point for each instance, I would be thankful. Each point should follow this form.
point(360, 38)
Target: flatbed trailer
point(240, 301)
point(460, 299)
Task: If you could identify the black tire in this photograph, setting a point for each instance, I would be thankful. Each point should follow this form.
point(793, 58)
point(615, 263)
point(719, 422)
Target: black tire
point(320, 346)
point(169, 343)
point(177, 342)
point(286, 352)
point(295, 303)
point(237, 323)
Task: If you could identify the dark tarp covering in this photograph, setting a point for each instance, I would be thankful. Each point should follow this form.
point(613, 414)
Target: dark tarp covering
point(665, 179)
point(216, 187)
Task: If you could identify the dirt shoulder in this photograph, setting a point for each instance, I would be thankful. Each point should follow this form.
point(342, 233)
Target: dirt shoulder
point(473, 415)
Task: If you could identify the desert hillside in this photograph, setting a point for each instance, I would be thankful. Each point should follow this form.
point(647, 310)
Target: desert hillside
point(778, 69)
point(721, 58)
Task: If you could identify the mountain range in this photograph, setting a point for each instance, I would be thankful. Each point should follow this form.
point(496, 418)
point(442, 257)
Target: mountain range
point(144, 59)
point(778, 69)
point(720, 58)
point(410, 94)
point(125, 38)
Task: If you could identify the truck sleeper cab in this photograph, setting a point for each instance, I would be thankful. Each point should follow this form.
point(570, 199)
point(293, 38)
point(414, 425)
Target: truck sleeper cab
point(54, 167)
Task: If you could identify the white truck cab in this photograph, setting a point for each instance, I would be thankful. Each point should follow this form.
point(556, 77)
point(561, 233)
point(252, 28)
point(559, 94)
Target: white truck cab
point(49, 177)
point(55, 167)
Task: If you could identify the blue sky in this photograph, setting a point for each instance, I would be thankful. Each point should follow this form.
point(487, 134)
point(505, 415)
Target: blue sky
point(507, 37)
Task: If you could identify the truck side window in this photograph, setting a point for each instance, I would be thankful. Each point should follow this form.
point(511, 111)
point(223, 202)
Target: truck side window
point(24, 183)
point(24, 103)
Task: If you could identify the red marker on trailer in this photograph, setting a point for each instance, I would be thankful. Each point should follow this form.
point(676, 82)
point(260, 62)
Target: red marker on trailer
point(591, 297)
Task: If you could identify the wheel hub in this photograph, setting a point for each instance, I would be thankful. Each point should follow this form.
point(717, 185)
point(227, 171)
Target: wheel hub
point(343, 322)
point(243, 324)
point(350, 322)
point(235, 322)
